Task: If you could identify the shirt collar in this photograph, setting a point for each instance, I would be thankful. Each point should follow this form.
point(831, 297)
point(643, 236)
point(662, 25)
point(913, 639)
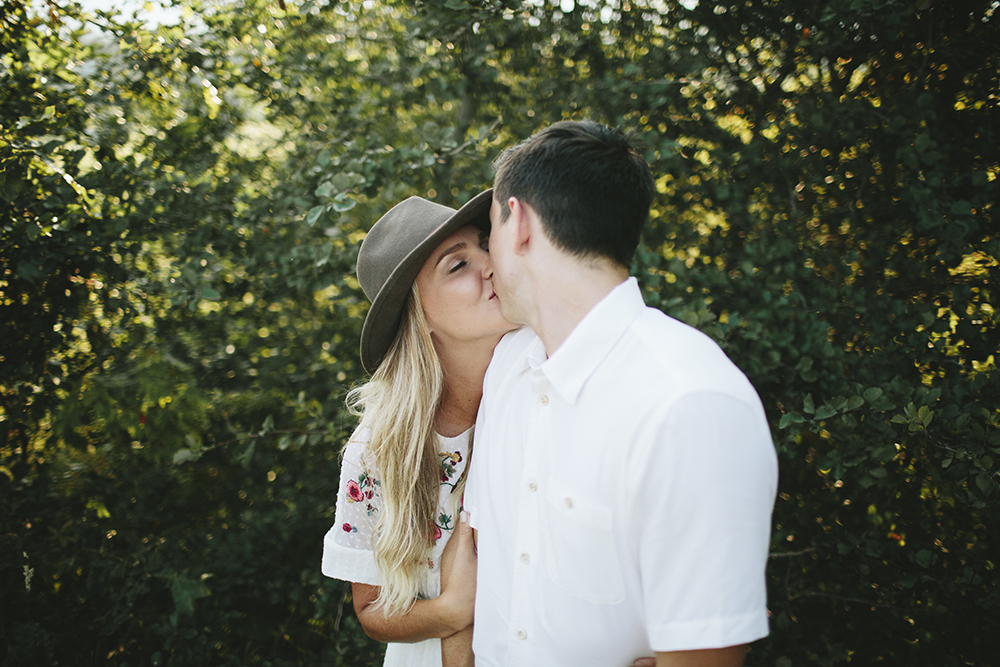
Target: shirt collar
point(590, 341)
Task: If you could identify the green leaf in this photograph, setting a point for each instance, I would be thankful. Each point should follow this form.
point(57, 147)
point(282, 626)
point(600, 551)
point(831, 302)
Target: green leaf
point(961, 208)
point(210, 294)
point(807, 404)
point(342, 181)
point(855, 402)
point(788, 418)
point(343, 202)
point(872, 394)
point(325, 190)
point(924, 415)
point(247, 455)
point(924, 558)
point(185, 455)
point(824, 412)
point(984, 482)
point(185, 592)
point(313, 215)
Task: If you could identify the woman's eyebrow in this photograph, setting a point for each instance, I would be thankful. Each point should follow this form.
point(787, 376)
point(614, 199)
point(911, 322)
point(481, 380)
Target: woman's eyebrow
point(455, 248)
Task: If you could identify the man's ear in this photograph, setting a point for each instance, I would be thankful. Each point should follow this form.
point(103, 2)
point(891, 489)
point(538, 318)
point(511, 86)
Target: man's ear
point(521, 221)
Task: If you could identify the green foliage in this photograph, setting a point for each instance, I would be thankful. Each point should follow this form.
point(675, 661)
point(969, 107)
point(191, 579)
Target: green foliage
point(180, 208)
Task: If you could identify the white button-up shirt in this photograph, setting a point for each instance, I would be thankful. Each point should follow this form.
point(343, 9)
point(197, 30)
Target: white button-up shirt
point(622, 490)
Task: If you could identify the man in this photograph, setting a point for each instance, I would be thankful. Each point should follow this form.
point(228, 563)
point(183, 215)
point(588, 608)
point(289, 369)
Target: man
point(623, 474)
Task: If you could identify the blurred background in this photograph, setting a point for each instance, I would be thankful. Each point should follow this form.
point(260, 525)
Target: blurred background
point(183, 189)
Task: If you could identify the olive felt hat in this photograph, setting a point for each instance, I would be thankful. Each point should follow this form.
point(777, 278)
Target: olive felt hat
point(392, 255)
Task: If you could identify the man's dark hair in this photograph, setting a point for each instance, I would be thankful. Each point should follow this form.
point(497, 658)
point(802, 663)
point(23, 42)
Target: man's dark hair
point(590, 187)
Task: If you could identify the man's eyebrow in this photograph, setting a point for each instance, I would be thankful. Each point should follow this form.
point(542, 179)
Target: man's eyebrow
point(455, 248)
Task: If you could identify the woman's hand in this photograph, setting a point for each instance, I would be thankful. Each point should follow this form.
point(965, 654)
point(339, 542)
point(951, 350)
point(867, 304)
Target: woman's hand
point(458, 579)
point(458, 573)
point(443, 616)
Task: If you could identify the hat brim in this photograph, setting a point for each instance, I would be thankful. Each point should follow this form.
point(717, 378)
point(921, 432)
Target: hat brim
point(382, 322)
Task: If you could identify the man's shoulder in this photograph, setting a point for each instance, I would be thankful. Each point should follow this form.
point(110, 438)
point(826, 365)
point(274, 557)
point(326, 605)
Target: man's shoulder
point(512, 347)
point(680, 356)
point(667, 339)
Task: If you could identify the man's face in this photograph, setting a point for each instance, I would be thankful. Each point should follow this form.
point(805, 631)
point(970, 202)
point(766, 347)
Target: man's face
point(501, 252)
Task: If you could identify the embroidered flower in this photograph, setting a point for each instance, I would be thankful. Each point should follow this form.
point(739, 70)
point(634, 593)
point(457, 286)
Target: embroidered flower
point(436, 534)
point(354, 492)
point(348, 528)
point(448, 462)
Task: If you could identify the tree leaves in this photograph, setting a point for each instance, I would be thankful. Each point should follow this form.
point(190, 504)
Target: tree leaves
point(181, 212)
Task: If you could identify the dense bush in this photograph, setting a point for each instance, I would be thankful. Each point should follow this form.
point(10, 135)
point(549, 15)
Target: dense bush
point(180, 208)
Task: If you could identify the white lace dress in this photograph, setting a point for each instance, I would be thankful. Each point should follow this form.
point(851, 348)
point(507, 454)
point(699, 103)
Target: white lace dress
point(347, 547)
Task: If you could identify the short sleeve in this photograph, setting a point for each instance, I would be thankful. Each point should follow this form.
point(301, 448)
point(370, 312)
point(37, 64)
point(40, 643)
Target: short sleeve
point(347, 548)
point(701, 506)
point(508, 356)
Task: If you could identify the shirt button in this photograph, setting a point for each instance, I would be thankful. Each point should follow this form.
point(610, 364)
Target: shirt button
point(525, 558)
point(569, 502)
point(532, 486)
point(521, 634)
point(543, 399)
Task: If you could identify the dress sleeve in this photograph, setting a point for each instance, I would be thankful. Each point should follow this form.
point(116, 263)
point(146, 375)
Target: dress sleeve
point(347, 548)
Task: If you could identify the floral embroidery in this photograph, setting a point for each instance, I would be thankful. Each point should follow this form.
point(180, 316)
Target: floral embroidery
point(348, 528)
point(448, 472)
point(364, 488)
point(448, 462)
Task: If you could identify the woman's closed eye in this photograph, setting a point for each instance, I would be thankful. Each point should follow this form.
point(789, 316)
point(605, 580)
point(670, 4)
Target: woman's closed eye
point(458, 266)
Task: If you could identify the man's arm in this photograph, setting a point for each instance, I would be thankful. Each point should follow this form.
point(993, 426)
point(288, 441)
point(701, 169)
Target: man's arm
point(701, 516)
point(731, 656)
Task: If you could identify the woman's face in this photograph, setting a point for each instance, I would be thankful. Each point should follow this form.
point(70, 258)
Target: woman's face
point(456, 290)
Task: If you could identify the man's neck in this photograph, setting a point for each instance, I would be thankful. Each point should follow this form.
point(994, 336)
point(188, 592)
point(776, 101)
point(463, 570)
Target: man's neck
point(567, 293)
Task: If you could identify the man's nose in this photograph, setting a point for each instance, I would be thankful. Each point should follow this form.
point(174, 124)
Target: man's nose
point(487, 267)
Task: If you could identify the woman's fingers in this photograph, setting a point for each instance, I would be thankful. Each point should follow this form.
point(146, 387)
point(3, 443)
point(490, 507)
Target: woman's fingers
point(458, 572)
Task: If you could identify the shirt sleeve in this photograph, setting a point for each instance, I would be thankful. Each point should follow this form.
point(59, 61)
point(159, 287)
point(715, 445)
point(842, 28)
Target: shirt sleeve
point(505, 359)
point(347, 548)
point(701, 511)
point(473, 485)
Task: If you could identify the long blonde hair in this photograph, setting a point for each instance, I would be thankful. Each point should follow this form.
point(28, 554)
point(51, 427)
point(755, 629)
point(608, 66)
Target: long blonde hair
point(399, 404)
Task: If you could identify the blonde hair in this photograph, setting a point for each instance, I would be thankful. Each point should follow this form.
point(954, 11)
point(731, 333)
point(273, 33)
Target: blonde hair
point(399, 404)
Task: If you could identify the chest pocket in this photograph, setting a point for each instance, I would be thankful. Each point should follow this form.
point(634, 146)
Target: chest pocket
point(580, 552)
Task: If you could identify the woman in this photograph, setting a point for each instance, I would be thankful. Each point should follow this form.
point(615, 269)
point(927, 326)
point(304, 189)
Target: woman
point(427, 340)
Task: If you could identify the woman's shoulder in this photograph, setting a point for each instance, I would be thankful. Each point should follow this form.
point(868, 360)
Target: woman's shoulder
point(356, 452)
